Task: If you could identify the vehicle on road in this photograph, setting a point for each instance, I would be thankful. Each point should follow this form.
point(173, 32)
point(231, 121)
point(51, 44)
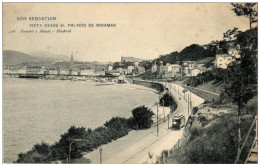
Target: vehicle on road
point(178, 122)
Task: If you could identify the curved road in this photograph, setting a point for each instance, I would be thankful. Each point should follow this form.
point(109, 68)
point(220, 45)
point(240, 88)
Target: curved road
point(134, 148)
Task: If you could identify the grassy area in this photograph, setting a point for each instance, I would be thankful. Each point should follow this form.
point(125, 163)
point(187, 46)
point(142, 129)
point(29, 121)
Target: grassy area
point(211, 86)
point(212, 136)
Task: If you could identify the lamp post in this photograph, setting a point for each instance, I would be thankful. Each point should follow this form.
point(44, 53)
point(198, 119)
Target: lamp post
point(74, 140)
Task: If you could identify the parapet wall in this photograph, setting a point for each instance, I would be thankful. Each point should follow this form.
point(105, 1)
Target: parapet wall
point(209, 97)
point(195, 99)
point(158, 86)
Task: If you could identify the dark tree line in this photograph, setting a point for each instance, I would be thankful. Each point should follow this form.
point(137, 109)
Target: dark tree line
point(113, 129)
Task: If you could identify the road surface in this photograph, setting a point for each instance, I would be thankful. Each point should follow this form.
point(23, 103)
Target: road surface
point(134, 148)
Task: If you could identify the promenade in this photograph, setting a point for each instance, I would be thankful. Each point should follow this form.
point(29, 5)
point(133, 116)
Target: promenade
point(135, 147)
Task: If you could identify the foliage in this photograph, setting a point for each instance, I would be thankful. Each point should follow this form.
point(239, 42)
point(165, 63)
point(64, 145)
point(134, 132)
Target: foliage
point(231, 34)
point(215, 144)
point(251, 107)
point(203, 78)
point(246, 65)
point(142, 117)
point(193, 52)
point(241, 81)
point(113, 129)
point(146, 64)
point(40, 153)
point(246, 9)
point(166, 100)
point(116, 65)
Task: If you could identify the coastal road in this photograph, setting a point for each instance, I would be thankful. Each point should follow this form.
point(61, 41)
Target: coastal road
point(134, 148)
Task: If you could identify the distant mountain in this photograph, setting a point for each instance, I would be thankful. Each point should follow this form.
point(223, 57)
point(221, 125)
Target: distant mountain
point(15, 57)
point(49, 56)
point(11, 57)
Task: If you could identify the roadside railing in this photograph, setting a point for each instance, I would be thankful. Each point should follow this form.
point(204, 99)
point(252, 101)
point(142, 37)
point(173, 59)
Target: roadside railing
point(248, 133)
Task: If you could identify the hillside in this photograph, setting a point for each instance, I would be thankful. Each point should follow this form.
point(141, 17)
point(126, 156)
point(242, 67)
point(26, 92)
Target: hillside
point(212, 136)
point(49, 56)
point(193, 52)
point(14, 57)
point(11, 57)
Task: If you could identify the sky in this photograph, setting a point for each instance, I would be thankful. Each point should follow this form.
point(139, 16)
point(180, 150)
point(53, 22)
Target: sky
point(143, 30)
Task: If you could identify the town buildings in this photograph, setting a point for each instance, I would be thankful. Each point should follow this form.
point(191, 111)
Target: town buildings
point(223, 60)
point(33, 69)
point(226, 56)
point(130, 60)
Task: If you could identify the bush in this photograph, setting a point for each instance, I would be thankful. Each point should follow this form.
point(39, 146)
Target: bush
point(117, 123)
point(142, 117)
point(168, 101)
point(40, 153)
point(113, 129)
point(252, 106)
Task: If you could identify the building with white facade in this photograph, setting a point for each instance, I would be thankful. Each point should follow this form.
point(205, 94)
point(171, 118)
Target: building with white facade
point(130, 69)
point(223, 60)
point(171, 70)
point(196, 71)
point(53, 72)
point(154, 67)
point(33, 70)
point(187, 66)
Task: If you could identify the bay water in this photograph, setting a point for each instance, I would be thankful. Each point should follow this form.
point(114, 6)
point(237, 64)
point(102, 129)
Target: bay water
point(36, 110)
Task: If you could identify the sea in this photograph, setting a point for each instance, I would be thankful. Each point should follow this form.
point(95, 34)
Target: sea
point(36, 110)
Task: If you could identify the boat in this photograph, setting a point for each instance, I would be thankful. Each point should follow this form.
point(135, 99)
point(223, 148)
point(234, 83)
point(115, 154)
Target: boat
point(35, 76)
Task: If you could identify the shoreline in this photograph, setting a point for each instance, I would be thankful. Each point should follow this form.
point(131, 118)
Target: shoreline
point(118, 86)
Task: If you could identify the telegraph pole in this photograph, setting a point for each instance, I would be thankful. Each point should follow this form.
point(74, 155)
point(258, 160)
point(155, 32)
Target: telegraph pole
point(100, 150)
point(133, 76)
point(188, 104)
point(157, 123)
point(163, 109)
point(168, 121)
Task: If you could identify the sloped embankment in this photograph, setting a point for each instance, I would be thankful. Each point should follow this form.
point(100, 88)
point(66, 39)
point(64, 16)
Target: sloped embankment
point(212, 136)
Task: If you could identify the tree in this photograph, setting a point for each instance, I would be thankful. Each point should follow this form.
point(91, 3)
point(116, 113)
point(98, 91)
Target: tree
point(143, 117)
point(239, 90)
point(246, 9)
point(231, 34)
point(43, 148)
point(241, 84)
point(167, 100)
